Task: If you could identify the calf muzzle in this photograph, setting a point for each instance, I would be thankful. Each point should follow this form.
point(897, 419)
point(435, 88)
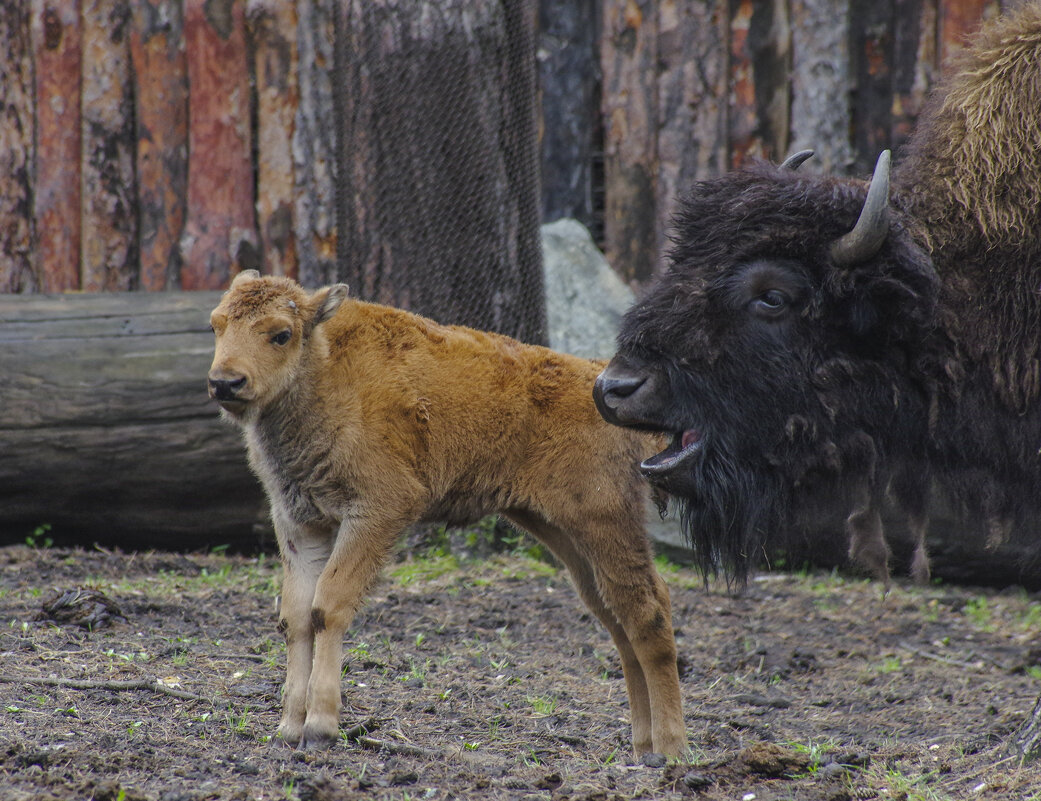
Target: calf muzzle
point(226, 389)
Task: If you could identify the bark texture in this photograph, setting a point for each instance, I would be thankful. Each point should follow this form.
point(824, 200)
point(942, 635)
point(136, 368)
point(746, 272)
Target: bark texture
point(161, 115)
point(443, 93)
point(220, 237)
point(16, 132)
point(57, 51)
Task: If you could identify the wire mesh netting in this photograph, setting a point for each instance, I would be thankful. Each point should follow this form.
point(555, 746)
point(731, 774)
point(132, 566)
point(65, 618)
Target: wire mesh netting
point(437, 192)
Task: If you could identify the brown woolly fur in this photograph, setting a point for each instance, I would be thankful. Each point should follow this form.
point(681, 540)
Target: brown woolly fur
point(976, 155)
point(362, 419)
point(971, 180)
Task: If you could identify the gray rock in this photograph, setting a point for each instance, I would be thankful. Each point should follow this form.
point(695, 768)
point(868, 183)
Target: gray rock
point(585, 298)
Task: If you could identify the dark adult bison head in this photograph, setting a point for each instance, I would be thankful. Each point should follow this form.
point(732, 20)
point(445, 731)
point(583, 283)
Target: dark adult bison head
point(785, 350)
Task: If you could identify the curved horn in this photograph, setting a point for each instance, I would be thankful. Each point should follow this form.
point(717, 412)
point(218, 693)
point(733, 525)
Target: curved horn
point(795, 160)
point(870, 232)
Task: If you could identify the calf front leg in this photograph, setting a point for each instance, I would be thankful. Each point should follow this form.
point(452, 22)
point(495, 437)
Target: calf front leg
point(304, 554)
point(361, 549)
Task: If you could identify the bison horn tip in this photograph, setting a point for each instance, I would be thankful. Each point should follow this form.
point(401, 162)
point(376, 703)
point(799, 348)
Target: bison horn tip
point(872, 228)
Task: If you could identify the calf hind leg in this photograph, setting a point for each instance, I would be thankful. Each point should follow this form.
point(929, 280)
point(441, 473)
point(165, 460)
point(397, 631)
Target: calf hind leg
point(651, 679)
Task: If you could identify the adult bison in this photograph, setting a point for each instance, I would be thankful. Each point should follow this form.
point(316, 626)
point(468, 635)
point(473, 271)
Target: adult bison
point(813, 337)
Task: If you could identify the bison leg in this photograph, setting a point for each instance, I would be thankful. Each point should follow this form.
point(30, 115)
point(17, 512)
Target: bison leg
point(649, 668)
point(867, 544)
point(361, 549)
point(304, 554)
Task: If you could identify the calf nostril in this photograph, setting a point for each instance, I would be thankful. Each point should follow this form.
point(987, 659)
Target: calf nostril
point(226, 388)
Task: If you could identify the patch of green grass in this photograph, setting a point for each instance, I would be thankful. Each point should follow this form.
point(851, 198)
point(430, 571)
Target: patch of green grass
point(39, 538)
point(542, 704)
point(890, 664)
point(424, 568)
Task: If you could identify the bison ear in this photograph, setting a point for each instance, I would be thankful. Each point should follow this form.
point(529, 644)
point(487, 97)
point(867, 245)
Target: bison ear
point(329, 301)
point(245, 275)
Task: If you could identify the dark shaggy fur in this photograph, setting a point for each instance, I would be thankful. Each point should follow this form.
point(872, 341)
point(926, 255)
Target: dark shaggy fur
point(811, 384)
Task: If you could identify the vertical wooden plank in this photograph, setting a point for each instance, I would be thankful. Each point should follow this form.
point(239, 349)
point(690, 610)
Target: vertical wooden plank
point(272, 26)
point(314, 144)
point(16, 142)
point(569, 76)
point(108, 220)
point(820, 116)
point(692, 100)
point(871, 53)
point(57, 51)
point(960, 18)
point(914, 57)
point(161, 80)
point(219, 238)
point(629, 63)
point(759, 67)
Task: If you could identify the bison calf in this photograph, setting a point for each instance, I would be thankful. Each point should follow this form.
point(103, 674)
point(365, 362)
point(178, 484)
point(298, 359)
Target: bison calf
point(361, 419)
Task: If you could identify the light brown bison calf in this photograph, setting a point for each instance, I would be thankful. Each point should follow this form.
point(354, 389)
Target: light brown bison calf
point(362, 419)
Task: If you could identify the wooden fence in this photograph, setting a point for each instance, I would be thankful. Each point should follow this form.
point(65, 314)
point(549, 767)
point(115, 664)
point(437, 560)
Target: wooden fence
point(159, 144)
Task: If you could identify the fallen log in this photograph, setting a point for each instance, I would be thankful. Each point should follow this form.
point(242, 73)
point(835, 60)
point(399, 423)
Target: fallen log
point(106, 431)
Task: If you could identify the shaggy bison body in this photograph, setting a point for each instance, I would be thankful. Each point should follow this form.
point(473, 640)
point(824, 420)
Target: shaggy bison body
point(808, 345)
point(362, 419)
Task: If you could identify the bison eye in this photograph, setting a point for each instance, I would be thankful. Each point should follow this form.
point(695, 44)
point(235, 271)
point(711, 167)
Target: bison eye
point(771, 303)
point(282, 337)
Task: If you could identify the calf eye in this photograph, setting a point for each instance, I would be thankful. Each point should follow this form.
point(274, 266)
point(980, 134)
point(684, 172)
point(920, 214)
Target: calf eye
point(771, 303)
point(282, 337)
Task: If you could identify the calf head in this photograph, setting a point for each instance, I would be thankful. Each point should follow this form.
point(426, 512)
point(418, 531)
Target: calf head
point(263, 326)
point(780, 350)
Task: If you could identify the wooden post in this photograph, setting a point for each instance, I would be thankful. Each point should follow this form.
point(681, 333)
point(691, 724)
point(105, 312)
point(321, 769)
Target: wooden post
point(314, 144)
point(692, 101)
point(108, 219)
point(629, 63)
point(914, 64)
point(960, 18)
point(219, 238)
point(16, 149)
point(57, 51)
point(759, 67)
point(871, 52)
point(441, 91)
point(161, 116)
point(820, 118)
point(272, 25)
point(569, 76)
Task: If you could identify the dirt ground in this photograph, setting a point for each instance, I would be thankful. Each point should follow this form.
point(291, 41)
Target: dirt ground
point(487, 679)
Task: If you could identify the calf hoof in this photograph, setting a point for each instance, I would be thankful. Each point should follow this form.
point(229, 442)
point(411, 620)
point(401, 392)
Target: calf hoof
point(319, 736)
point(287, 734)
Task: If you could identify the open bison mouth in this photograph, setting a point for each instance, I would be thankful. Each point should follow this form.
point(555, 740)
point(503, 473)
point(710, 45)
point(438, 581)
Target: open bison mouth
point(685, 446)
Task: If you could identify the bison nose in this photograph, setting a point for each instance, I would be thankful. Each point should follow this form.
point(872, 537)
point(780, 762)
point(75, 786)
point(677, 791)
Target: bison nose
point(613, 387)
point(226, 388)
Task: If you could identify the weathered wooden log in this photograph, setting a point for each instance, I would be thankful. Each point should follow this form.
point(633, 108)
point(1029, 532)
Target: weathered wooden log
point(106, 431)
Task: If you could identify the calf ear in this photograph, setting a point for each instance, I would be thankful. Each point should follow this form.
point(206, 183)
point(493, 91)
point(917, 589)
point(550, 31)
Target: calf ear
point(245, 275)
point(329, 301)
